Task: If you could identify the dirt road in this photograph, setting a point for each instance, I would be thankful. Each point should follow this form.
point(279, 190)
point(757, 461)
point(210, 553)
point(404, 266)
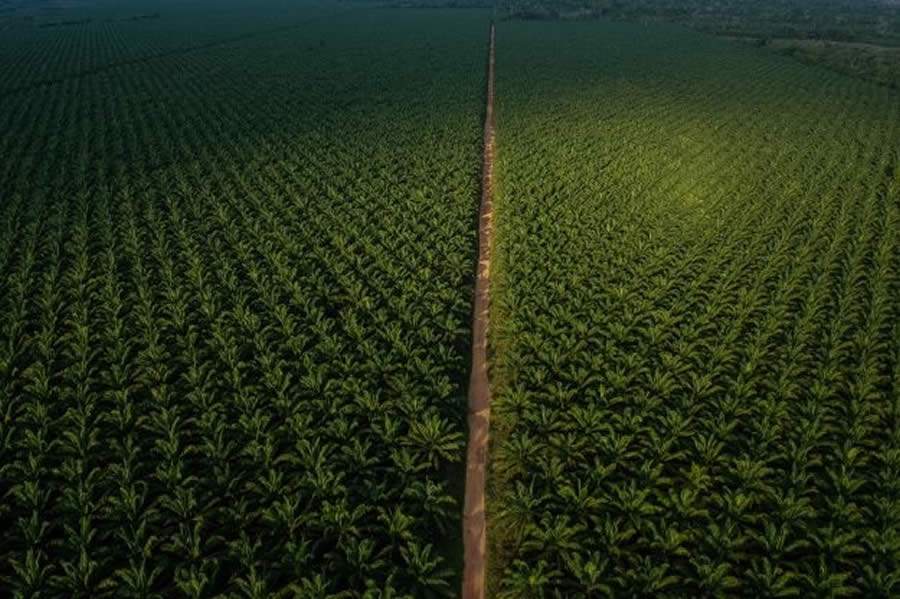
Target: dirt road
point(474, 532)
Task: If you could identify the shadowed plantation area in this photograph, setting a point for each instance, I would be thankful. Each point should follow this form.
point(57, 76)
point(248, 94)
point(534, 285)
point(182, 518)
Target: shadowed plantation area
point(44, 40)
point(236, 257)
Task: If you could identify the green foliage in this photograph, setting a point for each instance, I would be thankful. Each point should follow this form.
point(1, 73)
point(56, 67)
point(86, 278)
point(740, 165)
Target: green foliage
point(695, 329)
point(857, 37)
point(235, 275)
point(875, 21)
point(877, 63)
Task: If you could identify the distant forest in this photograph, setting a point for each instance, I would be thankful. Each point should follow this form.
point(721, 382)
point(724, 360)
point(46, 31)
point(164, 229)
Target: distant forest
point(855, 37)
point(838, 20)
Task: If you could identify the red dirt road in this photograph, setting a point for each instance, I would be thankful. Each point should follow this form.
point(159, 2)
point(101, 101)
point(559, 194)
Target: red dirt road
point(474, 530)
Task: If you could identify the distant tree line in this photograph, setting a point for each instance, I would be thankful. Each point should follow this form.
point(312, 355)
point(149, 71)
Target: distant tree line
point(870, 21)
